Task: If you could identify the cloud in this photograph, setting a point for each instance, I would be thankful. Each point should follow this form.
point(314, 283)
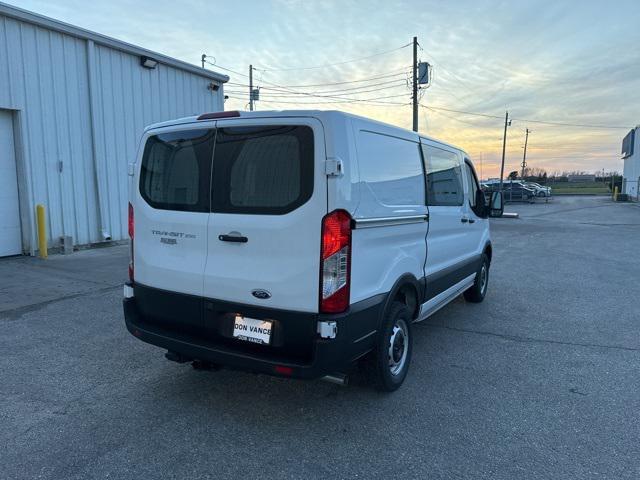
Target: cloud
point(543, 60)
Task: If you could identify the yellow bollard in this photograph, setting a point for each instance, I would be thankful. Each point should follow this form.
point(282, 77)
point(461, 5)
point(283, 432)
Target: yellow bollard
point(42, 231)
point(615, 193)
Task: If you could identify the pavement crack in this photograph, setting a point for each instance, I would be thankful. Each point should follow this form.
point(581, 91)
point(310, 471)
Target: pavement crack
point(522, 339)
point(15, 313)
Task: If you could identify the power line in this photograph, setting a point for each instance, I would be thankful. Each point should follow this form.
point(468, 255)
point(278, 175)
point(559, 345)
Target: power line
point(287, 69)
point(226, 69)
point(404, 71)
point(289, 90)
point(279, 93)
point(527, 120)
point(463, 112)
point(350, 91)
point(346, 99)
point(367, 101)
point(452, 117)
point(581, 125)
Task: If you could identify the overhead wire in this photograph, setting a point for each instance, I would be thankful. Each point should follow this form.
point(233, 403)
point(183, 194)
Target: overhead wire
point(352, 90)
point(278, 93)
point(334, 102)
point(287, 91)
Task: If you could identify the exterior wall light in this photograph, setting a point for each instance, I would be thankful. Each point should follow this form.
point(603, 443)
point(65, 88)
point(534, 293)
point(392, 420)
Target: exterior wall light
point(148, 62)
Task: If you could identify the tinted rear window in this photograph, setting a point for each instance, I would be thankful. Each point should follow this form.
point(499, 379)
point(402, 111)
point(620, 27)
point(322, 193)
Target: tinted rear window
point(176, 170)
point(253, 170)
point(262, 170)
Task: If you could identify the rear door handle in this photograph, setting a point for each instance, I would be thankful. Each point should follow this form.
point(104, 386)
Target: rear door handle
point(233, 238)
point(471, 220)
point(464, 219)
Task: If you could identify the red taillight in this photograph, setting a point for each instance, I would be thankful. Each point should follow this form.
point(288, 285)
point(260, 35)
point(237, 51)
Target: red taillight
point(335, 262)
point(131, 234)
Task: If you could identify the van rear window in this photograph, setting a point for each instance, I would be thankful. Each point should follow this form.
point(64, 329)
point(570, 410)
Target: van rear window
point(175, 171)
point(262, 170)
point(252, 170)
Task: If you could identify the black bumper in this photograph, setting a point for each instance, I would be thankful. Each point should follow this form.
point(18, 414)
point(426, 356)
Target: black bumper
point(201, 329)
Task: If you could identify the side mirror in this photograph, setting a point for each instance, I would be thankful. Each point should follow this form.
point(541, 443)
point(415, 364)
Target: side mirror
point(496, 205)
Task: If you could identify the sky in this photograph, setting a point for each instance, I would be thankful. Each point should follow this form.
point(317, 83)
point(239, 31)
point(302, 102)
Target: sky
point(571, 62)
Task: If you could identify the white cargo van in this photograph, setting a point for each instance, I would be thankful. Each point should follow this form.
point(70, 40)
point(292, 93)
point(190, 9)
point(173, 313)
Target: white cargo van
point(294, 243)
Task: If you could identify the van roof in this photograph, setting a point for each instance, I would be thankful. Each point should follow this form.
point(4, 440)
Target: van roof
point(327, 115)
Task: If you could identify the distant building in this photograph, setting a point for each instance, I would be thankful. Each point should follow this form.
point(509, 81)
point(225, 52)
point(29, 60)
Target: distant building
point(631, 156)
point(581, 178)
point(73, 106)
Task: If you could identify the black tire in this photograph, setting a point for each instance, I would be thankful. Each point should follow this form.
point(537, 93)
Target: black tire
point(478, 290)
point(388, 365)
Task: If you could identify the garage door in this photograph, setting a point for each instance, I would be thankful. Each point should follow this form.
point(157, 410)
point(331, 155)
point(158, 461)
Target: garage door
point(10, 242)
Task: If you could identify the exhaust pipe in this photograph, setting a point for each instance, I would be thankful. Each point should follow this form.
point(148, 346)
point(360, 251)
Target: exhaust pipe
point(338, 379)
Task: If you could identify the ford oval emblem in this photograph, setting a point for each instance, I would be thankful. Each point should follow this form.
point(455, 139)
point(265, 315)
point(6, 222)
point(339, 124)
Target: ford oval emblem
point(261, 294)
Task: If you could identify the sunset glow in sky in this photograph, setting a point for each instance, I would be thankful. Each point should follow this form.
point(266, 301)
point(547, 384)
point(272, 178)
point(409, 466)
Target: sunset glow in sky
point(569, 62)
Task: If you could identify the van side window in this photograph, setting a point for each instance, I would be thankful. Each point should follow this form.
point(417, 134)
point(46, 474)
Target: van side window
point(391, 169)
point(175, 170)
point(444, 177)
point(472, 184)
point(262, 170)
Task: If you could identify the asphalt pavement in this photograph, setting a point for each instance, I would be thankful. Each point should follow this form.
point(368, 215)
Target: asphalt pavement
point(542, 380)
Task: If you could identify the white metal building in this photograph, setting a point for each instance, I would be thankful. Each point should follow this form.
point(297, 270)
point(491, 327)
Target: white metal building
point(631, 171)
point(73, 105)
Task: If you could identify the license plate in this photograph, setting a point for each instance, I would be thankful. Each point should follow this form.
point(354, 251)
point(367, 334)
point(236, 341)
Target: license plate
point(252, 330)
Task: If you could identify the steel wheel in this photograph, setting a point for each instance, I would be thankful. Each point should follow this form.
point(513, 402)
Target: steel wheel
point(484, 276)
point(398, 347)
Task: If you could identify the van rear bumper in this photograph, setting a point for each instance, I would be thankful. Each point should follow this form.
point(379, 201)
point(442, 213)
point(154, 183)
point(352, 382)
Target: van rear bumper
point(198, 329)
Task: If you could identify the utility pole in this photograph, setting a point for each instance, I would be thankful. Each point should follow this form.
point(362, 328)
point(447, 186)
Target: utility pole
point(204, 55)
point(415, 84)
point(524, 157)
point(504, 146)
point(251, 88)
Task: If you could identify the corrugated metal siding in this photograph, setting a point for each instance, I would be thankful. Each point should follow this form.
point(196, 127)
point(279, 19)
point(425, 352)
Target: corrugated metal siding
point(131, 97)
point(45, 75)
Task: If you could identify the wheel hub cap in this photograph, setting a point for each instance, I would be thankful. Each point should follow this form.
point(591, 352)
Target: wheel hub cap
point(483, 279)
point(398, 347)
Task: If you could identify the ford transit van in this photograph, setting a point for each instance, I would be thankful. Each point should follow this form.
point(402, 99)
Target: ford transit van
point(295, 243)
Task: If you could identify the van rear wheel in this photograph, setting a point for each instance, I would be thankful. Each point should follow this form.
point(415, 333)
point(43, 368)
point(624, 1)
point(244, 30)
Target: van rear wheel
point(478, 290)
point(388, 364)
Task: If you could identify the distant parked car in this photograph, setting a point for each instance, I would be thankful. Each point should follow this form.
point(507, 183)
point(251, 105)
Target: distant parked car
point(541, 190)
point(514, 191)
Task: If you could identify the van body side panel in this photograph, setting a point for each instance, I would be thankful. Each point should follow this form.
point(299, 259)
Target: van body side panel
point(343, 190)
point(384, 246)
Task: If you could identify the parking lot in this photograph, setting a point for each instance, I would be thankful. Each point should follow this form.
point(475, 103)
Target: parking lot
point(539, 381)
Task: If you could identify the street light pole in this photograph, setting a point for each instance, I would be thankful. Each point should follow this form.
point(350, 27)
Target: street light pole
point(504, 146)
point(251, 88)
point(415, 84)
point(524, 156)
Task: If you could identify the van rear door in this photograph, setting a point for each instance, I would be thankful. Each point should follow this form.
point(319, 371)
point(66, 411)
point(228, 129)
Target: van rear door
point(170, 199)
point(268, 197)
